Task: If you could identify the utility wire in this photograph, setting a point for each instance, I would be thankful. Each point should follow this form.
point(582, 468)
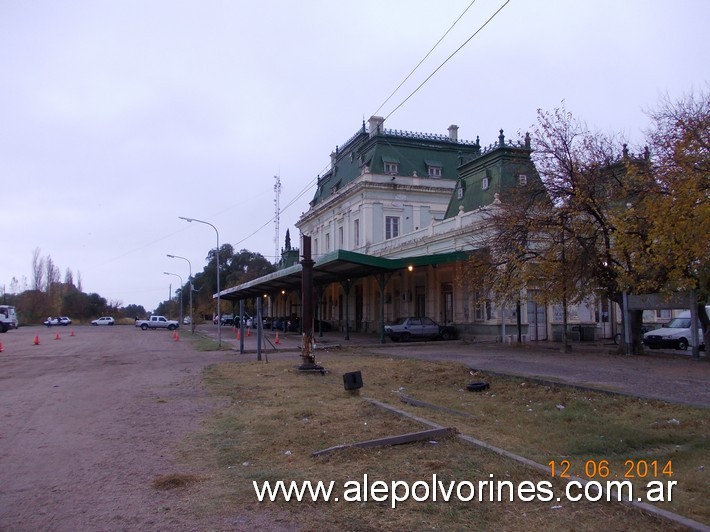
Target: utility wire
point(425, 57)
point(311, 183)
point(289, 204)
point(448, 58)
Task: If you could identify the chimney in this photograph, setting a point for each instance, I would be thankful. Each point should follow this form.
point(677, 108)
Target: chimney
point(454, 133)
point(376, 123)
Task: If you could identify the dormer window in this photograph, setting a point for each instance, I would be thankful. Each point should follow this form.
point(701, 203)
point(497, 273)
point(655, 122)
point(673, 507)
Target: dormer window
point(391, 168)
point(391, 165)
point(485, 183)
point(459, 193)
point(522, 179)
point(434, 168)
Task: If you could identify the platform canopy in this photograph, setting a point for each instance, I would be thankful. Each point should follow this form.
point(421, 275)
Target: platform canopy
point(333, 267)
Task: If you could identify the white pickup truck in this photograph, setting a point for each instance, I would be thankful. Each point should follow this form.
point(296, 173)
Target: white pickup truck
point(157, 322)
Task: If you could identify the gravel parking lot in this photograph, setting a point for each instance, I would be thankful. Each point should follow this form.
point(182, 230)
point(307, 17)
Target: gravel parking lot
point(88, 422)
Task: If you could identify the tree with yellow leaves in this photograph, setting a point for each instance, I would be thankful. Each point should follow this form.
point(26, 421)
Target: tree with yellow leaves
point(606, 220)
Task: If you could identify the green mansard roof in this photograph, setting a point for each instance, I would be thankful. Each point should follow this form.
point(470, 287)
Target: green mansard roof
point(495, 169)
point(413, 153)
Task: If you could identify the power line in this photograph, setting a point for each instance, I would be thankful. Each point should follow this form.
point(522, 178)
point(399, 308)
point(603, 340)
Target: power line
point(277, 212)
point(289, 204)
point(425, 57)
point(312, 182)
point(448, 58)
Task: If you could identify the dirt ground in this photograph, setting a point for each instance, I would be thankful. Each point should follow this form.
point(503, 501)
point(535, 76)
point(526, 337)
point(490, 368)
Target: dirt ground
point(87, 422)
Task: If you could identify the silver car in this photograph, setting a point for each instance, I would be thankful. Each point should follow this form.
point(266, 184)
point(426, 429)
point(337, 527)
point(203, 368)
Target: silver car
point(406, 329)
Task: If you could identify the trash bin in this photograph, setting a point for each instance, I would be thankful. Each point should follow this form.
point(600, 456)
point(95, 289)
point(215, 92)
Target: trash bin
point(588, 333)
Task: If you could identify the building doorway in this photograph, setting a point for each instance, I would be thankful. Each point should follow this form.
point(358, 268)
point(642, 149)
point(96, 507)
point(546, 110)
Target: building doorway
point(447, 303)
point(419, 302)
point(358, 308)
point(537, 319)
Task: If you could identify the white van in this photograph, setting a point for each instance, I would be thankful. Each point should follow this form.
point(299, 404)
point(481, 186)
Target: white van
point(8, 318)
point(676, 334)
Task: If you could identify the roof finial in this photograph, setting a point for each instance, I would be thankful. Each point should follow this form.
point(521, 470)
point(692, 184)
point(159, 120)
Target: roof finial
point(501, 139)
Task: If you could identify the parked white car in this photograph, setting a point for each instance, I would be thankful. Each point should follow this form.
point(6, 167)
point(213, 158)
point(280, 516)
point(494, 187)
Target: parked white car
point(676, 334)
point(105, 320)
point(53, 322)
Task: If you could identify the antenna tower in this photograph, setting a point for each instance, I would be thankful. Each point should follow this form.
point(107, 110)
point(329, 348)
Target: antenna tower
point(277, 215)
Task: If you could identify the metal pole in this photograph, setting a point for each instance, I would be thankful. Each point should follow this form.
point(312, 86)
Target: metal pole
point(176, 275)
point(307, 302)
point(192, 321)
point(219, 317)
point(258, 329)
point(241, 326)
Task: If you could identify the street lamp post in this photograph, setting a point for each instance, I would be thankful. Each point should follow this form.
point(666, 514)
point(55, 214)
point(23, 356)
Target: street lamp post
point(192, 321)
point(181, 285)
point(219, 318)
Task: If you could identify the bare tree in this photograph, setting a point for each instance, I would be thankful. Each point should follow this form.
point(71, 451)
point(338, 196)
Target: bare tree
point(69, 278)
point(52, 275)
point(14, 286)
point(37, 270)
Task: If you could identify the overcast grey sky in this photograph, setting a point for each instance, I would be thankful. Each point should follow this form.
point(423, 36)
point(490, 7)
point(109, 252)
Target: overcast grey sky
point(118, 116)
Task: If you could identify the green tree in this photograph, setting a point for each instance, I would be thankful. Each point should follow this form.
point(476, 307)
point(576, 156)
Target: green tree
point(132, 311)
point(246, 266)
point(97, 305)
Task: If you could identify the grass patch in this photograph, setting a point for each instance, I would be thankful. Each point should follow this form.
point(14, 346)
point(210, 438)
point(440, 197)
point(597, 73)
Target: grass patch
point(203, 343)
point(277, 417)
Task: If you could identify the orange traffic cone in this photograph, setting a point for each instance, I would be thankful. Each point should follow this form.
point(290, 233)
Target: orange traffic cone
point(36, 342)
point(177, 337)
point(239, 334)
point(72, 333)
point(249, 331)
point(173, 335)
point(56, 337)
point(0, 347)
point(277, 338)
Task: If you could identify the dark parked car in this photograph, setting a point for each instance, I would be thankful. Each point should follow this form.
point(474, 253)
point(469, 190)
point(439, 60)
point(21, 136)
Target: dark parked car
point(224, 319)
point(279, 324)
point(249, 322)
point(406, 329)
